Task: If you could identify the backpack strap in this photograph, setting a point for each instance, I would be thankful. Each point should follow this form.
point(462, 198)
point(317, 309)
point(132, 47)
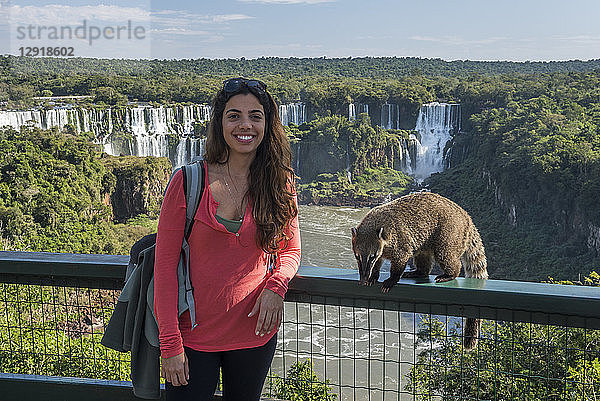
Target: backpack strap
point(193, 187)
point(193, 178)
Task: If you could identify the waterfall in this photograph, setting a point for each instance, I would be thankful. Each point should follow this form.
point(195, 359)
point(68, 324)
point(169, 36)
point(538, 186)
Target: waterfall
point(292, 113)
point(404, 154)
point(348, 172)
point(40, 118)
point(390, 116)
point(363, 108)
point(298, 158)
point(355, 109)
point(436, 124)
point(139, 130)
point(187, 149)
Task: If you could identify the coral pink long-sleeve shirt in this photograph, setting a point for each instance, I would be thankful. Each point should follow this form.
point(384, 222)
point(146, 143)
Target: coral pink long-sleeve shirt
point(228, 271)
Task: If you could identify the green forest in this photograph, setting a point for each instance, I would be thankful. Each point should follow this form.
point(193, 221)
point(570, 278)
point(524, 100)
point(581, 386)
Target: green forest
point(525, 165)
point(55, 194)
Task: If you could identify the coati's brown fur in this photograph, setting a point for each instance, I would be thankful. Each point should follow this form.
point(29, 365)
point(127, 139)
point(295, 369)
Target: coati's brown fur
point(428, 228)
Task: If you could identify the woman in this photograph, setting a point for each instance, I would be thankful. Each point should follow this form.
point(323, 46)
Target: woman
point(247, 213)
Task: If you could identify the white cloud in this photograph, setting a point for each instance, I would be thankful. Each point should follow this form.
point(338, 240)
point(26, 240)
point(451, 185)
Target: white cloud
point(171, 17)
point(203, 36)
point(375, 37)
point(230, 17)
point(179, 31)
point(208, 28)
point(457, 41)
point(163, 25)
point(288, 1)
point(54, 14)
point(581, 39)
point(64, 15)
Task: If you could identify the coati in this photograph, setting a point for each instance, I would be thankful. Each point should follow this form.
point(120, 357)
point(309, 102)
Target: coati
point(428, 228)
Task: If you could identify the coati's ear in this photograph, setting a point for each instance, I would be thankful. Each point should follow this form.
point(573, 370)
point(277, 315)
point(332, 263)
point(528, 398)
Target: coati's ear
point(353, 232)
point(382, 234)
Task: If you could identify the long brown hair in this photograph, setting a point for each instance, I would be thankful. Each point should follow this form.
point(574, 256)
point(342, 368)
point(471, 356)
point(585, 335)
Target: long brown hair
point(271, 184)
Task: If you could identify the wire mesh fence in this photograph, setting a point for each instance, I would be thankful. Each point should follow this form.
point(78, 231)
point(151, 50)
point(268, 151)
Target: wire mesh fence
point(56, 331)
point(329, 348)
point(375, 354)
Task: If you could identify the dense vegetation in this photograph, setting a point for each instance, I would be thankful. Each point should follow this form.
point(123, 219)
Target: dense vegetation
point(513, 361)
point(525, 165)
point(367, 67)
point(344, 162)
point(54, 195)
point(323, 84)
point(531, 176)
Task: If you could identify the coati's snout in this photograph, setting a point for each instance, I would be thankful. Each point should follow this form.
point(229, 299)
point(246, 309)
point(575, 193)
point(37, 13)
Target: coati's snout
point(367, 252)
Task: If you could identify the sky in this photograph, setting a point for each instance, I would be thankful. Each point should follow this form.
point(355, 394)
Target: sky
point(523, 30)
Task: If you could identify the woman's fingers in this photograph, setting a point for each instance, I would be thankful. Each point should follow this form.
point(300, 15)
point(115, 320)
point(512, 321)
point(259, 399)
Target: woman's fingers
point(186, 368)
point(175, 369)
point(270, 309)
point(178, 378)
point(268, 324)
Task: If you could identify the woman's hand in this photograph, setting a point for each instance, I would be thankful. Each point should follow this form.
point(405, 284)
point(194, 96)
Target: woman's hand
point(269, 307)
point(175, 369)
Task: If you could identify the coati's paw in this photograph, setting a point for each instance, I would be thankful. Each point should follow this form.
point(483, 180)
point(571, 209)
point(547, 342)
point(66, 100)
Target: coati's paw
point(388, 284)
point(413, 274)
point(373, 279)
point(442, 278)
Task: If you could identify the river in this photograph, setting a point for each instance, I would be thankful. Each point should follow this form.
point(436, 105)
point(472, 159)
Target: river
point(326, 236)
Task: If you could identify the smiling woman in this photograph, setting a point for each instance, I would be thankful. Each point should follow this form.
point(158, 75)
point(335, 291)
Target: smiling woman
point(247, 215)
point(243, 124)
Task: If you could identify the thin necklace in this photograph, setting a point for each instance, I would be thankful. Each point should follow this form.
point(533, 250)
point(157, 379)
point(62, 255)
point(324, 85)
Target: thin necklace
point(237, 207)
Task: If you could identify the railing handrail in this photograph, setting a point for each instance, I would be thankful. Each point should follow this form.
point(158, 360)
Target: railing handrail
point(576, 306)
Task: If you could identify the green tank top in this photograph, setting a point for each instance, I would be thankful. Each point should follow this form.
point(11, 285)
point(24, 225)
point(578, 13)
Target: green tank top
point(230, 225)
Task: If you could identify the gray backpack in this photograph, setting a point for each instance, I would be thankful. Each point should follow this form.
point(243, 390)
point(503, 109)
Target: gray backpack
point(132, 326)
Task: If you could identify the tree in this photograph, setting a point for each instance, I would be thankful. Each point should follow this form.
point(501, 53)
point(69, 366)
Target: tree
point(108, 95)
point(513, 361)
point(302, 384)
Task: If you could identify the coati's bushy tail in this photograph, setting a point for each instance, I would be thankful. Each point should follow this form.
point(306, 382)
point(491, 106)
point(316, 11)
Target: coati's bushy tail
point(474, 259)
point(470, 333)
point(475, 265)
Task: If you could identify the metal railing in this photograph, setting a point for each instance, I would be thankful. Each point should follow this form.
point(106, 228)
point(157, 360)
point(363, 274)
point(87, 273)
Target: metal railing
point(338, 340)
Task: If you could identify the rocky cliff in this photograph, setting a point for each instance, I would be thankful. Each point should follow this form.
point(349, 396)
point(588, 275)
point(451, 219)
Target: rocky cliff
point(140, 183)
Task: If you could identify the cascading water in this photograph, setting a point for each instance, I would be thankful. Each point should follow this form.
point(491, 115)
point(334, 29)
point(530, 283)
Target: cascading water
point(145, 131)
point(404, 155)
point(298, 158)
point(292, 113)
point(348, 172)
point(390, 116)
point(436, 124)
point(355, 109)
point(139, 131)
point(187, 149)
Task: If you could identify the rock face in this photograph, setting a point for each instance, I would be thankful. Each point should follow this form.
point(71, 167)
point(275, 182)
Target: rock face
point(140, 184)
point(594, 238)
point(571, 220)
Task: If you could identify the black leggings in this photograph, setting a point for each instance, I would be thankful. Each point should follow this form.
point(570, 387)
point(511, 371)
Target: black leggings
point(244, 373)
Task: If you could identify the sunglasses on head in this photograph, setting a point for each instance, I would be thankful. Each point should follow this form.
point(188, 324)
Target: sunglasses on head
point(233, 85)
